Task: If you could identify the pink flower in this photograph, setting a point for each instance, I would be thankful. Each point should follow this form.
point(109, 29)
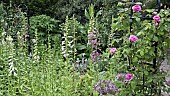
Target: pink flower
point(133, 38)
point(113, 50)
point(93, 60)
point(90, 35)
point(94, 41)
point(168, 81)
point(136, 8)
point(156, 24)
point(128, 77)
point(156, 18)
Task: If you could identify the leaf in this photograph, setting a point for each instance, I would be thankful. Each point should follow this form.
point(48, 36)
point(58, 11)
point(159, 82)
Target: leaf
point(138, 19)
point(141, 53)
point(81, 47)
point(99, 13)
point(133, 84)
point(146, 72)
point(91, 11)
point(155, 38)
point(87, 14)
point(140, 33)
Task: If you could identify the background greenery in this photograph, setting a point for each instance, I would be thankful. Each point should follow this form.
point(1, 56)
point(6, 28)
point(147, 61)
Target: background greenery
point(61, 27)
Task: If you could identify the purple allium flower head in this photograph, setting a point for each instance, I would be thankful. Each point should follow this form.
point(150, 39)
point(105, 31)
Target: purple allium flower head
point(168, 82)
point(136, 8)
point(128, 77)
point(156, 18)
point(106, 87)
point(133, 38)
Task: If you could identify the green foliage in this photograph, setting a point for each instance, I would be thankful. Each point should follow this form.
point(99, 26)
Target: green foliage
point(45, 25)
point(43, 72)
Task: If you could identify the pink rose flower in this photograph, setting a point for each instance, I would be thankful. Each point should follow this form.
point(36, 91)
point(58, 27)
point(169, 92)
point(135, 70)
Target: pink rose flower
point(128, 77)
point(133, 38)
point(156, 18)
point(156, 24)
point(136, 8)
point(168, 81)
point(113, 50)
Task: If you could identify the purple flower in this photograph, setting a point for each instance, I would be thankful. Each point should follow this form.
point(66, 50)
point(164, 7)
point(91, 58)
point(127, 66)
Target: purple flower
point(113, 50)
point(168, 82)
point(128, 77)
point(136, 8)
point(156, 24)
point(133, 38)
point(95, 55)
point(93, 60)
point(156, 18)
point(106, 87)
point(90, 35)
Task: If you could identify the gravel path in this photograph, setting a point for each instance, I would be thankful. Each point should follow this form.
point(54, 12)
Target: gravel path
point(165, 67)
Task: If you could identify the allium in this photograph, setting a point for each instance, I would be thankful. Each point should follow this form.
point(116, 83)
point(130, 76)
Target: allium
point(113, 50)
point(133, 38)
point(136, 8)
point(128, 77)
point(106, 87)
point(168, 82)
point(156, 18)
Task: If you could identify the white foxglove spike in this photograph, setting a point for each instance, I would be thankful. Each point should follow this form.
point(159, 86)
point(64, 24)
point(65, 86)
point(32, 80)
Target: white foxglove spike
point(71, 41)
point(63, 52)
point(70, 36)
point(72, 46)
point(63, 42)
point(70, 51)
point(62, 48)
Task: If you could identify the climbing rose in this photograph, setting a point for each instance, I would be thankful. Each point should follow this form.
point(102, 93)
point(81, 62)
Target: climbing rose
point(156, 24)
point(168, 81)
point(128, 77)
point(133, 38)
point(156, 18)
point(113, 50)
point(136, 8)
